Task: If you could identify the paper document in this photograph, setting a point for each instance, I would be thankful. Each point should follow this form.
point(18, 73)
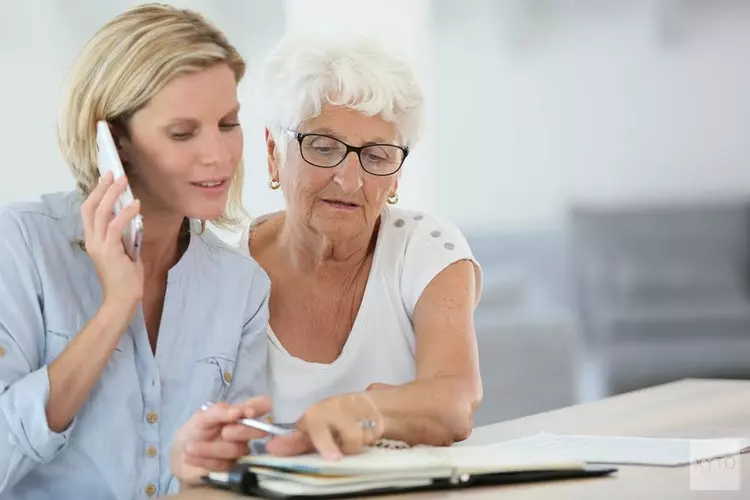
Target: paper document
point(622, 450)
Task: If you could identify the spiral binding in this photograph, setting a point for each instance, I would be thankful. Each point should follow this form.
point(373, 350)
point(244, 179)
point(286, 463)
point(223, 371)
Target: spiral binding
point(391, 444)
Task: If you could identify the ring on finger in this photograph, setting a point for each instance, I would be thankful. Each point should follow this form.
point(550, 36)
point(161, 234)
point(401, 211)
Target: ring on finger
point(367, 424)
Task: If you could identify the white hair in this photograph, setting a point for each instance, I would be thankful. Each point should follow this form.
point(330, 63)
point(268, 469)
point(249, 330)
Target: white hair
point(307, 71)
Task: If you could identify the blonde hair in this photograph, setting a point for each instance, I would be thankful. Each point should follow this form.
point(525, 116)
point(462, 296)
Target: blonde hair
point(121, 68)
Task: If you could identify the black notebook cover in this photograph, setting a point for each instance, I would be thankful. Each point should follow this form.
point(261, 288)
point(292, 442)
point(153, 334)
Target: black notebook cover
point(245, 482)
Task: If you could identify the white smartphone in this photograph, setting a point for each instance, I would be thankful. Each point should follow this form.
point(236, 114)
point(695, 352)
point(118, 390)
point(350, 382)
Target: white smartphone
point(109, 160)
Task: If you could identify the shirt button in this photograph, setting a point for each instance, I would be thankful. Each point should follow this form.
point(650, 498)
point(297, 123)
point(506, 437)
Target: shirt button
point(152, 417)
point(150, 489)
point(2, 351)
point(151, 451)
point(228, 376)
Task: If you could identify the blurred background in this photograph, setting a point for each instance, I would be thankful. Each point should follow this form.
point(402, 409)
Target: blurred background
point(594, 152)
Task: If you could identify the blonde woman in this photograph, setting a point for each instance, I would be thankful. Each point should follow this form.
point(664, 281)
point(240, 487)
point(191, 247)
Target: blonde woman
point(102, 359)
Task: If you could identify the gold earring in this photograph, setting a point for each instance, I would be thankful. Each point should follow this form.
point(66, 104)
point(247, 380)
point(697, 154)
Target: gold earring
point(393, 199)
point(273, 183)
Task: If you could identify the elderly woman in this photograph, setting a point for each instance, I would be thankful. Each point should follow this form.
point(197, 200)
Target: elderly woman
point(371, 309)
point(362, 293)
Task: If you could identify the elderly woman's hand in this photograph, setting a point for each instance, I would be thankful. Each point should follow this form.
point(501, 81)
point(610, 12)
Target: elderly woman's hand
point(337, 426)
point(212, 440)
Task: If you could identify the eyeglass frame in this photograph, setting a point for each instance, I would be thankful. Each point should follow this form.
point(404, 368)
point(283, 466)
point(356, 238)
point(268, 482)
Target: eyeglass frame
point(300, 136)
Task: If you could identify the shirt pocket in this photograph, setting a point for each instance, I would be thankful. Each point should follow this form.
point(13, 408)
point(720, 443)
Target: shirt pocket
point(212, 376)
point(55, 343)
point(57, 339)
point(61, 325)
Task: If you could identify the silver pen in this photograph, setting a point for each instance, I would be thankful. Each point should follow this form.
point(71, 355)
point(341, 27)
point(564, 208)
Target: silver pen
point(257, 424)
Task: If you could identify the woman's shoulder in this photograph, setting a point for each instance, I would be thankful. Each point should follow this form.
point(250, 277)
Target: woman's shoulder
point(260, 232)
point(417, 229)
point(57, 205)
point(44, 219)
point(222, 263)
point(41, 239)
point(224, 248)
point(419, 246)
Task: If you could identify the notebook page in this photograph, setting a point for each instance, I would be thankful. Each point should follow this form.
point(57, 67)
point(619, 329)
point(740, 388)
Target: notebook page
point(439, 461)
point(371, 461)
point(623, 450)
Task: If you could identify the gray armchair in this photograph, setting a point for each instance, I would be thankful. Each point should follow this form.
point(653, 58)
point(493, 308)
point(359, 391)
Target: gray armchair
point(661, 293)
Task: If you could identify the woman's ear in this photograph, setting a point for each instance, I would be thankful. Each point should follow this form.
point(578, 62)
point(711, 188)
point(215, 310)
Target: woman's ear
point(273, 157)
point(122, 143)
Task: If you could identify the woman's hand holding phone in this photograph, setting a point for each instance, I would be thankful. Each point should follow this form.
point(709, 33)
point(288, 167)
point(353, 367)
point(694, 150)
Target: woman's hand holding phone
point(76, 370)
point(121, 278)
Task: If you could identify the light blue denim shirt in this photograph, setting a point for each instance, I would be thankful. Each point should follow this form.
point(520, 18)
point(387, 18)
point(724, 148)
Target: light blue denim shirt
point(211, 347)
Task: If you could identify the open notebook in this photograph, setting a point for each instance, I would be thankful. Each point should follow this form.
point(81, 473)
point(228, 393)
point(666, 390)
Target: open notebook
point(380, 470)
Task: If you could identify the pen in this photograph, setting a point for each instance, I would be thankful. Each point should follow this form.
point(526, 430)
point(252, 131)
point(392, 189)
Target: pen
point(256, 424)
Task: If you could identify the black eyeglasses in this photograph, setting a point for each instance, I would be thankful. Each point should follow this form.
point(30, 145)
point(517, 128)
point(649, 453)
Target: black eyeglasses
point(327, 152)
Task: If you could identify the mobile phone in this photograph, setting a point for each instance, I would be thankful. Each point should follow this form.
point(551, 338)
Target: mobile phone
point(258, 424)
point(108, 160)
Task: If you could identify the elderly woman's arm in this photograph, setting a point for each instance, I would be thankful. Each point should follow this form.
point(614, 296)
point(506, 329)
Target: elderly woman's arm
point(437, 408)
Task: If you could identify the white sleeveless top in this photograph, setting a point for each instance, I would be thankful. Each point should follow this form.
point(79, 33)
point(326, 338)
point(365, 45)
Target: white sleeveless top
point(411, 249)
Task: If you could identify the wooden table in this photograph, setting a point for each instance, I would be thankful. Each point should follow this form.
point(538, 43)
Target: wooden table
point(686, 409)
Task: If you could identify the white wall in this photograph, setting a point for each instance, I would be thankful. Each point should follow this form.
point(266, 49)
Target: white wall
point(543, 102)
point(34, 51)
point(533, 103)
